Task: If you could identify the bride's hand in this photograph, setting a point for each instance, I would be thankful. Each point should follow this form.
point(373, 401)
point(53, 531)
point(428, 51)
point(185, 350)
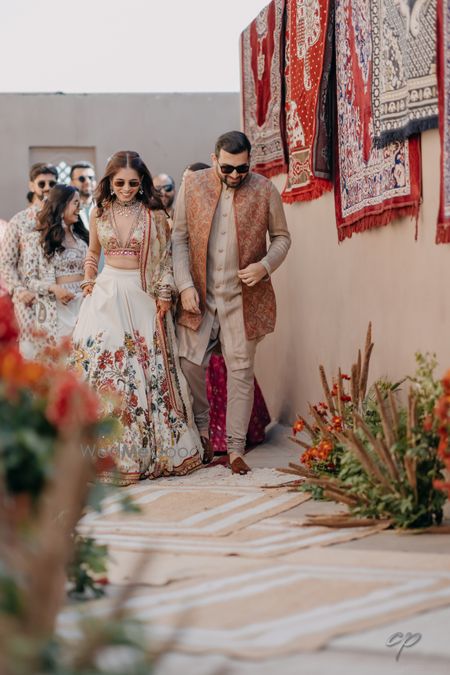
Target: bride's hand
point(163, 306)
point(87, 290)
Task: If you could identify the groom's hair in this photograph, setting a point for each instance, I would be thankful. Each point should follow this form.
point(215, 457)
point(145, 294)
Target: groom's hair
point(233, 142)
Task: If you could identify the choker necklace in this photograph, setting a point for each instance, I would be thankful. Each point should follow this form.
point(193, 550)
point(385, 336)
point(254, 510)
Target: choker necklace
point(126, 208)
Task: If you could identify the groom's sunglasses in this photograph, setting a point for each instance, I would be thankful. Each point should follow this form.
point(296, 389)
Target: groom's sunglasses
point(229, 168)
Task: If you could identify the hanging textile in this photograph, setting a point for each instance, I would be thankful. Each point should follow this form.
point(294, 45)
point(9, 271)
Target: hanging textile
point(443, 228)
point(373, 186)
point(262, 59)
point(404, 92)
point(309, 48)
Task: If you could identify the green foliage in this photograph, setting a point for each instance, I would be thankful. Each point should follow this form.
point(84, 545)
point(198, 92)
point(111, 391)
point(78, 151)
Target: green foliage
point(27, 442)
point(89, 560)
point(402, 505)
point(411, 500)
point(10, 594)
point(426, 387)
point(112, 647)
point(369, 407)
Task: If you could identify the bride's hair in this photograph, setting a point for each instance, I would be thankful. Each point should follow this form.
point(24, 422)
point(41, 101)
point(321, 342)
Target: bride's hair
point(127, 159)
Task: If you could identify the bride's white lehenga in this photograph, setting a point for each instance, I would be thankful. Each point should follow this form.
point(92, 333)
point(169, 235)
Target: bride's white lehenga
point(120, 344)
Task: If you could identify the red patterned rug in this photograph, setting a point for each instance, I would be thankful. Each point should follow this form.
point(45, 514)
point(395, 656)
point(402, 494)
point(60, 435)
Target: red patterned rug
point(373, 186)
point(309, 35)
point(443, 228)
point(262, 50)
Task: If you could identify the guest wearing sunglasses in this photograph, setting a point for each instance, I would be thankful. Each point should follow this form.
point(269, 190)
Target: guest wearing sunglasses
point(165, 186)
point(43, 178)
point(222, 269)
point(125, 338)
point(82, 177)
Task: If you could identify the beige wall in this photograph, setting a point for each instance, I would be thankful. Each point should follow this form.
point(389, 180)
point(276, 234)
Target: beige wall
point(168, 130)
point(327, 292)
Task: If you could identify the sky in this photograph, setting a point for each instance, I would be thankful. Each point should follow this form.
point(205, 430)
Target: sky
point(122, 45)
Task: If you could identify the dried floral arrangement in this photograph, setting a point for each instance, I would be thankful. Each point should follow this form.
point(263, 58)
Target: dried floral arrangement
point(368, 452)
point(47, 415)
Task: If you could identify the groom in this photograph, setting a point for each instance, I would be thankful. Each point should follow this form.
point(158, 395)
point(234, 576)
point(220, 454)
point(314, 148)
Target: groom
point(222, 269)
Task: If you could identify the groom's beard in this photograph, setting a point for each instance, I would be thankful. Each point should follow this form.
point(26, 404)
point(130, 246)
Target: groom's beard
point(228, 181)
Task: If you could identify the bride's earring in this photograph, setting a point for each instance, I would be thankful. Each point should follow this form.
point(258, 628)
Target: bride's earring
point(141, 191)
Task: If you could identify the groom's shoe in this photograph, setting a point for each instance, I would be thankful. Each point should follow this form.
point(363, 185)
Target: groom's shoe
point(239, 466)
point(208, 450)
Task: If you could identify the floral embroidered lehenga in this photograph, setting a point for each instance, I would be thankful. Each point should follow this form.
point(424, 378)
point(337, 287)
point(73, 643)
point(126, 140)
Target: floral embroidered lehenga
point(121, 344)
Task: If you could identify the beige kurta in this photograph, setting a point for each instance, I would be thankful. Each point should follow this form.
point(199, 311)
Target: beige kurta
point(223, 287)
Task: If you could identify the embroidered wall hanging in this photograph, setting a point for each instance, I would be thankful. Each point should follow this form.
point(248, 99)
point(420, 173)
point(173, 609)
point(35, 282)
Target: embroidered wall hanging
point(373, 186)
point(262, 100)
point(308, 55)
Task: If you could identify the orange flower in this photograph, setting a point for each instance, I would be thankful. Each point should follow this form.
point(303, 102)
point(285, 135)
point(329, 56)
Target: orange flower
point(336, 423)
point(299, 425)
point(446, 382)
point(327, 446)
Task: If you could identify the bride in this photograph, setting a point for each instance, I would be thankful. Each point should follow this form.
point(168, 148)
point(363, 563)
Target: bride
point(124, 339)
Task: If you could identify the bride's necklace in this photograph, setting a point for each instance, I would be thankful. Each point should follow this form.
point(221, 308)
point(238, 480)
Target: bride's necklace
point(126, 209)
point(132, 226)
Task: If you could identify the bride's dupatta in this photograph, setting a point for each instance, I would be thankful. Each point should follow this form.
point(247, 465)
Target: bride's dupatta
point(157, 280)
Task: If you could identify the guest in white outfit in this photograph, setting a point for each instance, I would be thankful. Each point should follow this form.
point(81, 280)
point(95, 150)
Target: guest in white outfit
point(54, 264)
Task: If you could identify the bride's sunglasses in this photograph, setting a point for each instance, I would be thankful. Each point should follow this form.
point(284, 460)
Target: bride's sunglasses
point(120, 183)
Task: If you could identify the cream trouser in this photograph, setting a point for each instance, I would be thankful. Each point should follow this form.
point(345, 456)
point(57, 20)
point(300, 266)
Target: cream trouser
point(240, 393)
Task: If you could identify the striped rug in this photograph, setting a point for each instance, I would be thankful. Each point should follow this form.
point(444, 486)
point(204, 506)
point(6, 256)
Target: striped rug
point(279, 608)
point(270, 537)
point(189, 510)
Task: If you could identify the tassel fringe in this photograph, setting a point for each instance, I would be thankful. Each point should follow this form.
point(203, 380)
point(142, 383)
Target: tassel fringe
point(270, 170)
point(318, 187)
point(414, 127)
point(378, 220)
point(443, 233)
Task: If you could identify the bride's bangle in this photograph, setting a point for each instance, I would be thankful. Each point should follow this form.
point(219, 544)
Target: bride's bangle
point(88, 282)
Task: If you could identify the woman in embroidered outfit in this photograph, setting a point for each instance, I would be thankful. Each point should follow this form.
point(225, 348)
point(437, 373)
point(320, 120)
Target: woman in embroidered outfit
point(54, 263)
point(124, 339)
point(216, 390)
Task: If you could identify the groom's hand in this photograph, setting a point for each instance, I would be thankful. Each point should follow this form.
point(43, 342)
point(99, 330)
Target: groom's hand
point(190, 300)
point(252, 274)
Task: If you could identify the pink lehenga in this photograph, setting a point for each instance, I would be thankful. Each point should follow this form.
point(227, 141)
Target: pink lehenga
point(216, 389)
point(120, 344)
